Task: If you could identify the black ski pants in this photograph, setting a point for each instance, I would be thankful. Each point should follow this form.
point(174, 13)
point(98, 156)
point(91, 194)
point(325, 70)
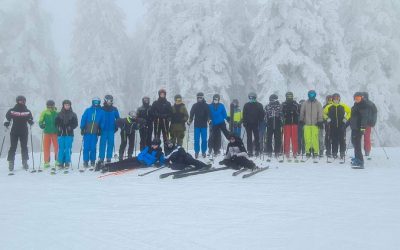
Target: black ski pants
point(253, 129)
point(189, 161)
point(239, 162)
point(124, 164)
point(356, 141)
point(216, 136)
point(338, 138)
point(276, 134)
point(161, 125)
point(125, 138)
point(23, 139)
point(145, 136)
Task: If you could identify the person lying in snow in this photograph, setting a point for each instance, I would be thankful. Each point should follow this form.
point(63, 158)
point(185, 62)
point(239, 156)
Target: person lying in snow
point(236, 155)
point(147, 157)
point(179, 159)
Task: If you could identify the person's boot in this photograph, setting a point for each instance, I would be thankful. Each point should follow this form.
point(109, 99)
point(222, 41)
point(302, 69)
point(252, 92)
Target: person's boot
point(85, 164)
point(11, 165)
point(204, 155)
point(66, 165)
point(99, 165)
point(46, 165)
point(196, 155)
point(108, 160)
point(25, 164)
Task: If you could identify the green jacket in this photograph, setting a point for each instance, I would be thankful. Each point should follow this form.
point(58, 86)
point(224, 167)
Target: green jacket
point(47, 121)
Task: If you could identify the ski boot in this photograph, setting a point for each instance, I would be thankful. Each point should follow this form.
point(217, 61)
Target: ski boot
point(11, 165)
point(100, 165)
point(25, 165)
point(108, 160)
point(46, 165)
point(85, 164)
point(196, 155)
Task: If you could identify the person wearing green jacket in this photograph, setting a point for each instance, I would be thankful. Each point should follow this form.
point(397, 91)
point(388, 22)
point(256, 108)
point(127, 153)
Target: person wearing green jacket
point(47, 122)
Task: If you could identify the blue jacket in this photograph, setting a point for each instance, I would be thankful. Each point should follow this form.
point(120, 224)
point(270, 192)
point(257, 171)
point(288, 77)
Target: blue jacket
point(111, 114)
point(92, 120)
point(217, 113)
point(149, 156)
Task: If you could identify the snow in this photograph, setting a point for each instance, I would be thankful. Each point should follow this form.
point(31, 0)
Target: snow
point(289, 206)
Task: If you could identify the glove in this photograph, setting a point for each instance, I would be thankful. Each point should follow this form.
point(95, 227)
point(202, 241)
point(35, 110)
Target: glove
point(228, 119)
point(42, 126)
point(344, 120)
point(30, 122)
point(7, 124)
point(320, 125)
point(362, 131)
point(82, 131)
point(245, 124)
point(329, 120)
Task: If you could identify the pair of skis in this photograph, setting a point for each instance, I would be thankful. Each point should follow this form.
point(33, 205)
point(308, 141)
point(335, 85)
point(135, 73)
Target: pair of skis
point(253, 172)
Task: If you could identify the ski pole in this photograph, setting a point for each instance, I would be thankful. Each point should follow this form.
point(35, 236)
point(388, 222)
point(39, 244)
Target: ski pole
point(134, 143)
point(41, 151)
point(33, 159)
point(187, 139)
point(2, 143)
point(380, 143)
point(80, 154)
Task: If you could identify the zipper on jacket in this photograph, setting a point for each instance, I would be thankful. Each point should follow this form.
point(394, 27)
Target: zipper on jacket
point(93, 119)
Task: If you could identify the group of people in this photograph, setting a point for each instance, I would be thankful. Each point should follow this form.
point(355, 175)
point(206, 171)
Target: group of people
point(287, 128)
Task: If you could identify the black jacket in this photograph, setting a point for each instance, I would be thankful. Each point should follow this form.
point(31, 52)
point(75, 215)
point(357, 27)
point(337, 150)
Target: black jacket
point(372, 113)
point(128, 126)
point(253, 113)
point(291, 112)
point(273, 115)
point(177, 155)
point(201, 114)
point(359, 115)
point(20, 117)
point(66, 121)
point(144, 112)
point(161, 109)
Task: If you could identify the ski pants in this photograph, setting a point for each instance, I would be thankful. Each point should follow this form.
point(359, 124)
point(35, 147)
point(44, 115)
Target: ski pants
point(65, 149)
point(200, 133)
point(276, 134)
point(262, 134)
point(189, 161)
point(23, 139)
point(237, 130)
point(290, 136)
point(367, 139)
point(356, 141)
point(89, 147)
point(106, 140)
point(338, 138)
point(328, 139)
point(216, 136)
point(321, 142)
point(311, 134)
point(145, 136)
point(253, 129)
point(239, 162)
point(161, 125)
point(49, 139)
point(124, 141)
point(177, 132)
point(301, 145)
point(129, 163)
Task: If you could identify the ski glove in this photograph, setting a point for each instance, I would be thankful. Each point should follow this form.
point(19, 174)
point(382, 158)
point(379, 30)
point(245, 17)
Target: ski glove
point(82, 131)
point(42, 126)
point(362, 131)
point(6, 124)
point(329, 120)
point(344, 120)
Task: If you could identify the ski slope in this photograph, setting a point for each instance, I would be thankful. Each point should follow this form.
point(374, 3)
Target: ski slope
point(290, 206)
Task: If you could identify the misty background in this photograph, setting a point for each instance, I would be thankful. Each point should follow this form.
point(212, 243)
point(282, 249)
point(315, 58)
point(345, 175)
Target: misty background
point(80, 49)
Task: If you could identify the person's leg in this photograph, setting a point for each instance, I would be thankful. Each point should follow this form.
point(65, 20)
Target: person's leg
point(270, 133)
point(172, 133)
point(149, 135)
point(122, 146)
point(244, 162)
point(249, 140)
point(196, 163)
point(131, 139)
point(110, 145)
point(256, 133)
point(197, 132)
point(180, 135)
point(203, 134)
point(179, 166)
point(217, 139)
point(142, 134)
point(286, 141)
point(356, 138)
point(367, 140)
point(321, 143)
point(334, 135)
point(328, 140)
point(46, 148)
point(24, 147)
point(278, 140)
point(61, 150)
point(86, 148)
point(13, 147)
point(55, 145)
point(103, 143)
point(342, 141)
point(308, 138)
point(68, 149)
point(315, 139)
point(121, 165)
point(93, 145)
point(295, 148)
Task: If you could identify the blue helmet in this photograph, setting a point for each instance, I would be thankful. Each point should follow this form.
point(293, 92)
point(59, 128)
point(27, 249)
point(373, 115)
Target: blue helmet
point(96, 101)
point(312, 95)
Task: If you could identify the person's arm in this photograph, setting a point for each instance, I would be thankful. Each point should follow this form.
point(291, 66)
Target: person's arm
point(347, 109)
point(326, 111)
point(185, 114)
point(319, 109)
point(83, 120)
point(74, 122)
point(224, 115)
point(42, 124)
point(191, 114)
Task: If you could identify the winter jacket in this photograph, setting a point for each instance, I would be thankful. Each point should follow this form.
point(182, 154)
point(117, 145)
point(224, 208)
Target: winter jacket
point(66, 121)
point(273, 115)
point(291, 112)
point(372, 113)
point(177, 155)
point(179, 116)
point(236, 148)
point(144, 112)
point(148, 156)
point(237, 117)
point(201, 114)
point(128, 125)
point(47, 121)
point(337, 112)
point(92, 121)
point(253, 113)
point(217, 113)
point(111, 114)
point(20, 116)
point(359, 115)
point(311, 112)
point(161, 109)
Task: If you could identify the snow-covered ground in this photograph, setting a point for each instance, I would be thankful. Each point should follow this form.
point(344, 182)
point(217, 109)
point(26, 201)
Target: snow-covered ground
point(290, 206)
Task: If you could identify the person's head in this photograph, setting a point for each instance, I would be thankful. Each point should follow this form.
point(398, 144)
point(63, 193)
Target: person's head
point(232, 137)
point(169, 144)
point(96, 101)
point(132, 114)
point(329, 99)
point(235, 103)
point(21, 100)
point(162, 93)
point(200, 97)
point(66, 104)
point(252, 97)
point(336, 98)
point(146, 100)
point(178, 99)
point(273, 98)
point(289, 96)
point(358, 97)
point(302, 101)
point(108, 100)
point(155, 143)
point(50, 104)
point(365, 95)
point(312, 95)
point(216, 98)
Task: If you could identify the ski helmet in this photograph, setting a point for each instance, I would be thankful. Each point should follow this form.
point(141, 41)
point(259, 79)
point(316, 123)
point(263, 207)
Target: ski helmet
point(50, 103)
point(200, 94)
point(96, 101)
point(235, 102)
point(252, 96)
point(169, 144)
point(289, 95)
point(365, 95)
point(20, 98)
point(156, 141)
point(358, 96)
point(109, 99)
point(216, 97)
point(311, 95)
point(66, 102)
point(132, 114)
point(178, 97)
point(162, 91)
point(273, 98)
point(146, 100)
point(336, 96)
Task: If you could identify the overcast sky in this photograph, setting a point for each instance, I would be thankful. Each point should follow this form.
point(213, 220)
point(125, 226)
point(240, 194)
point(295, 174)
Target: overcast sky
point(63, 14)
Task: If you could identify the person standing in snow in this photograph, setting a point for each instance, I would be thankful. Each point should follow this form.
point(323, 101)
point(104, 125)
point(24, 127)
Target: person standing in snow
point(66, 121)
point(236, 156)
point(311, 116)
point(291, 113)
point(179, 117)
point(253, 114)
point(200, 113)
point(144, 112)
point(162, 111)
point(20, 116)
point(336, 115)
point(92, 123)
point(301, 133)
point(273, 116)
point(328, 139)
point(372, 118)
point(47, 122)
point(237, 118)
point(218, 116)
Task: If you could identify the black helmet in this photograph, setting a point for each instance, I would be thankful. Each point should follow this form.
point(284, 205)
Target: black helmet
point(336, 96)
point(162, 91)
point(169, 144)
point(289, 95)
point(273, 98)
point(216, 97)
point(20, 98)
point(145, 100)
point(132, 114)
point(235, 102)
point(200, 94)
point(252, 95)
point(365, 95)
point(67, 102)
point(109, 99)
point(50, 103)
point(176, 97)
point(358, 94)
point(156, 141)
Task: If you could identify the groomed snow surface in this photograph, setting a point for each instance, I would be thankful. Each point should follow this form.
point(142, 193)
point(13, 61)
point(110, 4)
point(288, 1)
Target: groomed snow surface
point(290, 206)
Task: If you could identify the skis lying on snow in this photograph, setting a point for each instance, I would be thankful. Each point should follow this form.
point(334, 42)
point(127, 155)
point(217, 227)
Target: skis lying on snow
point(154, 170)
point(236, 173)
point(259, 170)
point(165, 175)
point(177, 176)
point(120, 172)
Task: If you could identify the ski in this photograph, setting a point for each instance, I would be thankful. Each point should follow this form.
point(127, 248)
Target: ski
point(154, 170)
point(357, 167)
point(236, 173)
point(255, 172)
point(177, 176)
point(120, 172)
point(165, 175)
point(11, 173)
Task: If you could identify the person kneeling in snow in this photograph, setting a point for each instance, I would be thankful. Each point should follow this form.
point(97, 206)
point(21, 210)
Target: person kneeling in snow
point(236, 155)
point(147, 157)
point(179, 159)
